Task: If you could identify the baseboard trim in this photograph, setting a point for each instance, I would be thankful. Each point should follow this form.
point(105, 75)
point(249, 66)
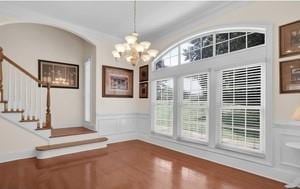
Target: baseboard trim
point(13, 156)
point(243, 165)
point(273, 173)
point(121, 137)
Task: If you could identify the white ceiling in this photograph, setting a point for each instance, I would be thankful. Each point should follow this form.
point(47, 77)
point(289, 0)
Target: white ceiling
point(116, 17)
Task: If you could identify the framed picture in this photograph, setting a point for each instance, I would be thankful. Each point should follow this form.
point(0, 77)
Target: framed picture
point(144, 73)
point(289, 35)
point(144, 90)
point(117, 82)
point(58, 74)
point(290, 76)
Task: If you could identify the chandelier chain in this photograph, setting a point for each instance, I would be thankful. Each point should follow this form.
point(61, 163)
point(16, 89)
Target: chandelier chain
point(134, 17)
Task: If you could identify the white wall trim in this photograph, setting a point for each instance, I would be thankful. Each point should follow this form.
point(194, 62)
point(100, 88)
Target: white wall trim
point(247, 166)
point(257, 166)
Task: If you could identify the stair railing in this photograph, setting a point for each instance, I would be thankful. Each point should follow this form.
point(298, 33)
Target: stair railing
point(24, 93)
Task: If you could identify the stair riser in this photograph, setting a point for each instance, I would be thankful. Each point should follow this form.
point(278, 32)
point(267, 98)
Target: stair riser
point(29, 125)
point(69, 150)
point(15, 117)
point(44, 133)
point(73, 138)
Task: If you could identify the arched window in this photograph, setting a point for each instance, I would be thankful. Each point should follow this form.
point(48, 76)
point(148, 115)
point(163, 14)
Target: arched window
point(209, 45)
point(218, 85)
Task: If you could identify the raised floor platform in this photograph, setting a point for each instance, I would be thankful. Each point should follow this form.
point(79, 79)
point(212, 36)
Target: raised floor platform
point(61, 132)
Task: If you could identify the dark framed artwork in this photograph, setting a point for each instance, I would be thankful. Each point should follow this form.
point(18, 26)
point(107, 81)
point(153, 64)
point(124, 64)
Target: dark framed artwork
point(117, 82)
point(289, 39)
point(144, 74)
point(290, 76)
point(59, 74)
point(144, 90)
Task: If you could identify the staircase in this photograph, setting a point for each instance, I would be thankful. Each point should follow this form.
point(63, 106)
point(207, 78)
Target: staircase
point(25, 102)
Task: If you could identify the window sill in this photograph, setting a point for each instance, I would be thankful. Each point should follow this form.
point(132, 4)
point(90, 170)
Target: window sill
point(162, 135)
point(192, 141)
point(241, 151)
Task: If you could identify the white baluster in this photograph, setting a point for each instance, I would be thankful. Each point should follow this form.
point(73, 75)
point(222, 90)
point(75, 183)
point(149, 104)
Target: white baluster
point(27, 96)
point(36, 100)
point(30, 99)
point(5, 81)
point(41, 106)
point(19, 91)
point(24, 92)
point(14, 89)
point(9, 105)
point(24, 96)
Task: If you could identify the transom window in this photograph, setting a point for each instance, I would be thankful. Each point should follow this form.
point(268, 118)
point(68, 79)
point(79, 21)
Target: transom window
point(209, 45)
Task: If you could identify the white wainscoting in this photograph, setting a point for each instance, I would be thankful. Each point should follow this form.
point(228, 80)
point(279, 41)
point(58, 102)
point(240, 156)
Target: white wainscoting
point(286, 157)
point(285, 165)
point(121, 127)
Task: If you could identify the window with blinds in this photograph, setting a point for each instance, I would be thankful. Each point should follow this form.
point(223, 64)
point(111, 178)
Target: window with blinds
point(163, 106)
point(194, 107)
point(242, 107)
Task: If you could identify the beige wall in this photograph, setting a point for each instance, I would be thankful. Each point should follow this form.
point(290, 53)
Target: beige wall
point(254, 13)
point(26, 43)
point(114, 105)
point(14, 139)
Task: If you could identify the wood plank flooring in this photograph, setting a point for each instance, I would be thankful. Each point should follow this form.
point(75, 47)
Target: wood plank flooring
point(127, 165)
point(70, 131)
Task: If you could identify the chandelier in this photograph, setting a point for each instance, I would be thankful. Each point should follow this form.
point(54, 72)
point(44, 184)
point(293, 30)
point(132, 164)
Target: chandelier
point(133, 51)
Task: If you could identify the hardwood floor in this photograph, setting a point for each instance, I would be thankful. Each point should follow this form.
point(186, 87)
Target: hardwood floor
point(127, 165)
point(70, 131)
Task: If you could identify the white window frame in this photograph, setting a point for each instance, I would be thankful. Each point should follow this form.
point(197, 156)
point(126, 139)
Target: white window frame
point(153, 104)
point(262, 113)
point(180, 105)
point(258, 54)
point(213, 32)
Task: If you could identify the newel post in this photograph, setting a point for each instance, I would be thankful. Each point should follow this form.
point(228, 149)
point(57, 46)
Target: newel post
point(1, 74)
point(48, 110)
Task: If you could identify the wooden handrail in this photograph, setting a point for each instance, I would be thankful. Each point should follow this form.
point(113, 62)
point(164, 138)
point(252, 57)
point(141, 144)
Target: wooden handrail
point(48, 110)
point(22, 70)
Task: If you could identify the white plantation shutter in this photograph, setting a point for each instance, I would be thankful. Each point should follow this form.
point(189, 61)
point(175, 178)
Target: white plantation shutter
point(163, 106)
point(194, 107)
point(242, 107)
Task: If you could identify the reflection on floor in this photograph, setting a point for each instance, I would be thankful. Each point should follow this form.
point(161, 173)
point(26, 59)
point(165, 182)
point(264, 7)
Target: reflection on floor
point(127, 165)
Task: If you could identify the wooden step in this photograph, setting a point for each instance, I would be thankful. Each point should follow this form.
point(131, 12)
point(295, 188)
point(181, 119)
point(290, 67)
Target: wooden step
point(13, 111)
point(4, 101)
point(62, 132)
point(70, 144)
point(29, 120)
